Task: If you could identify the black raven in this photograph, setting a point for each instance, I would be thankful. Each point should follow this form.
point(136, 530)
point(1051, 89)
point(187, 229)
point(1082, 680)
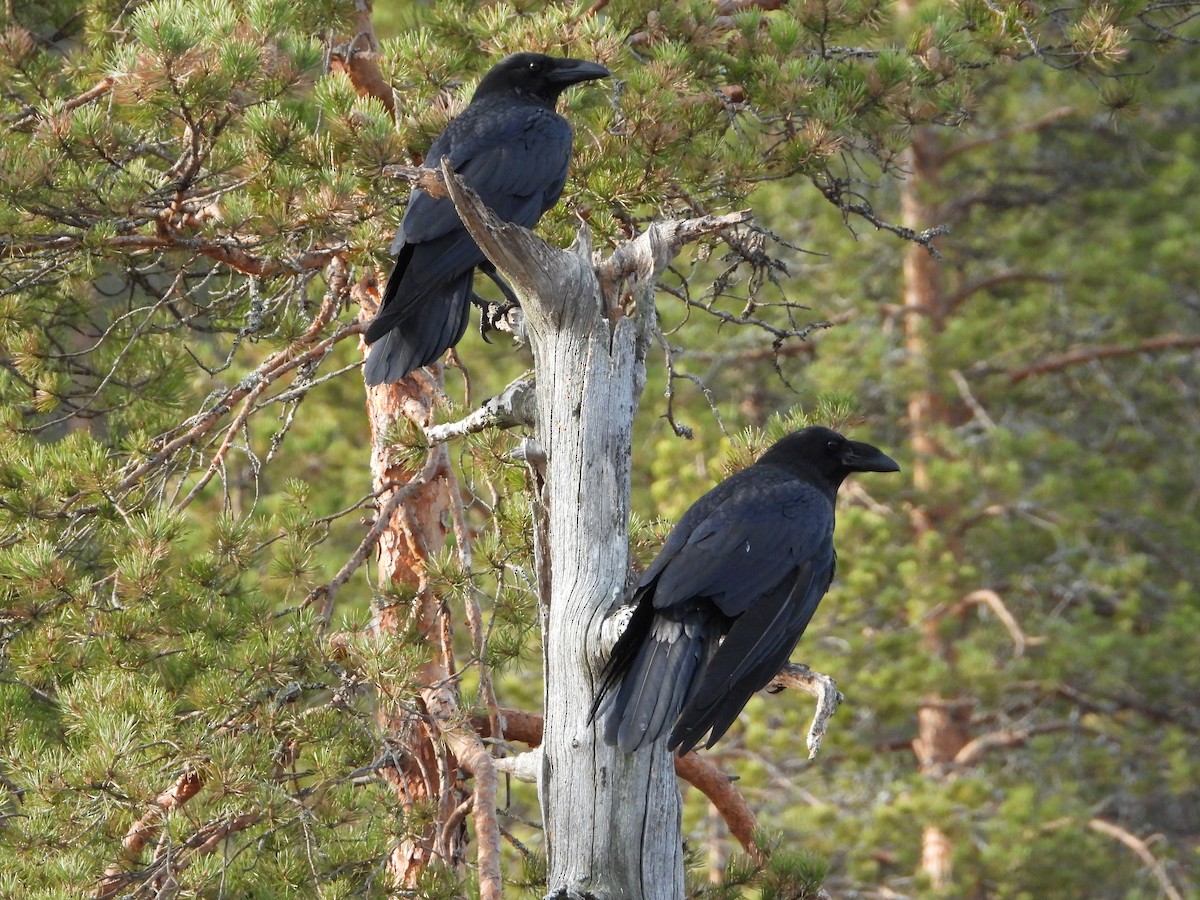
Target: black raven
point(511, 147)
point(718, 612)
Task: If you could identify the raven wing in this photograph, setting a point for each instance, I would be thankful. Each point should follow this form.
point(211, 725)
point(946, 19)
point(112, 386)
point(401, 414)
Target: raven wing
point(515, 159)
point(753, 651)
point(743, 540)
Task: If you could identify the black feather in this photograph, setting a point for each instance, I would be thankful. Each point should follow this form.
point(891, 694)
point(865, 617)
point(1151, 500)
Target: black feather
point(513, 149)
point(719, 611)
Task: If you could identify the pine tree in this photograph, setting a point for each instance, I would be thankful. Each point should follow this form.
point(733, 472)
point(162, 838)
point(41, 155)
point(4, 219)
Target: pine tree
point(202, 689)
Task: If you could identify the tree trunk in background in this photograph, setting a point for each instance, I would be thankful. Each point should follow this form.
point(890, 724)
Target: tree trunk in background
point(941, 728)
point(941, 733)
point(923, 309)
point(424, 770)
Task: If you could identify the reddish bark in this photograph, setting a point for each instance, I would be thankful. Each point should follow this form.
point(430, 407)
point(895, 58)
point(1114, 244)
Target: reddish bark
point(424, 771)
point(923, 308)
point(941, 723)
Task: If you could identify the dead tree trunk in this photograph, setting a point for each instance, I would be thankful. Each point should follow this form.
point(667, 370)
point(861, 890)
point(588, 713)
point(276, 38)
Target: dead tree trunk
point(612, 820)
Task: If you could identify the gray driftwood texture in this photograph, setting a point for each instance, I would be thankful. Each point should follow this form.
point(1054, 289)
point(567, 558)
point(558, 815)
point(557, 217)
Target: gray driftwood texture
point(611, 819)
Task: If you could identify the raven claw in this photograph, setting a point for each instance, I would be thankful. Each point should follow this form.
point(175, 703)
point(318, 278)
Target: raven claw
point(492, 315)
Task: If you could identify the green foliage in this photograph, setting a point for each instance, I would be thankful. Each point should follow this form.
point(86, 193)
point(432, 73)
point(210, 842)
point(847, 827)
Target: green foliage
point(188, 195)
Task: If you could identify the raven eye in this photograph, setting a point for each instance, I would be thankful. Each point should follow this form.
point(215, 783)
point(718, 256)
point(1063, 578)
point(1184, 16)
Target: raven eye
point(535, 66)
point(833, 446)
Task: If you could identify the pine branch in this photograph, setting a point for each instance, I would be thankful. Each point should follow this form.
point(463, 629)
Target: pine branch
point(222, 251)
point(102, 87)
point(1087, 355)
point(358, 58)
point(146, 829)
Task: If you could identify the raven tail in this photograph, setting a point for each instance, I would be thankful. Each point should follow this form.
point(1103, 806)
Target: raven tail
point(422, 337)
point(656, 684)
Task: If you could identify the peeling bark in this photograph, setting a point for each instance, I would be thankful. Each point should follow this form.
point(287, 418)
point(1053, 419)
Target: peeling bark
point(424, 771)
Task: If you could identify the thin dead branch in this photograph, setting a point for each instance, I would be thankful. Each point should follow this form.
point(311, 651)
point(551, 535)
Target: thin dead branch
point(271, 369)
point(327, 592)
point(1143, 852)
point(973, 751)
point(994, 602)
point(512, 407)
point(822, 687)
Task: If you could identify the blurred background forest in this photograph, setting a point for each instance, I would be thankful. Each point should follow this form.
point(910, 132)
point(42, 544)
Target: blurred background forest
point(192, 199)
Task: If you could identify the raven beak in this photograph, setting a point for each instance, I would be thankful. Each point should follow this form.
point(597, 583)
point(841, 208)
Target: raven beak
point(861, 457)
point(573, 71)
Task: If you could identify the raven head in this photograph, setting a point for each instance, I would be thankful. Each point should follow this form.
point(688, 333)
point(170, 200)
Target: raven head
point(829, 454)
point(538, 76)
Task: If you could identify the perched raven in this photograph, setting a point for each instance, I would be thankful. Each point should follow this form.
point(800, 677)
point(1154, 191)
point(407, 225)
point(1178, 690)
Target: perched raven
point(511, 147)
point(718, 612)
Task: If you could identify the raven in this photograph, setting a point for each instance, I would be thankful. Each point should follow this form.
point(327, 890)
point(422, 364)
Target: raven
point(511, 147)
point(718, 612)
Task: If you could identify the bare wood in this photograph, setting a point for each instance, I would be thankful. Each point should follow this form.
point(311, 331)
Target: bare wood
point(1139, 847)
point(428, 180)
point(973, 404)
point(822, 687)
point(611, 819)
point(697, 771)
point(524, 767)
point(511, 407)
